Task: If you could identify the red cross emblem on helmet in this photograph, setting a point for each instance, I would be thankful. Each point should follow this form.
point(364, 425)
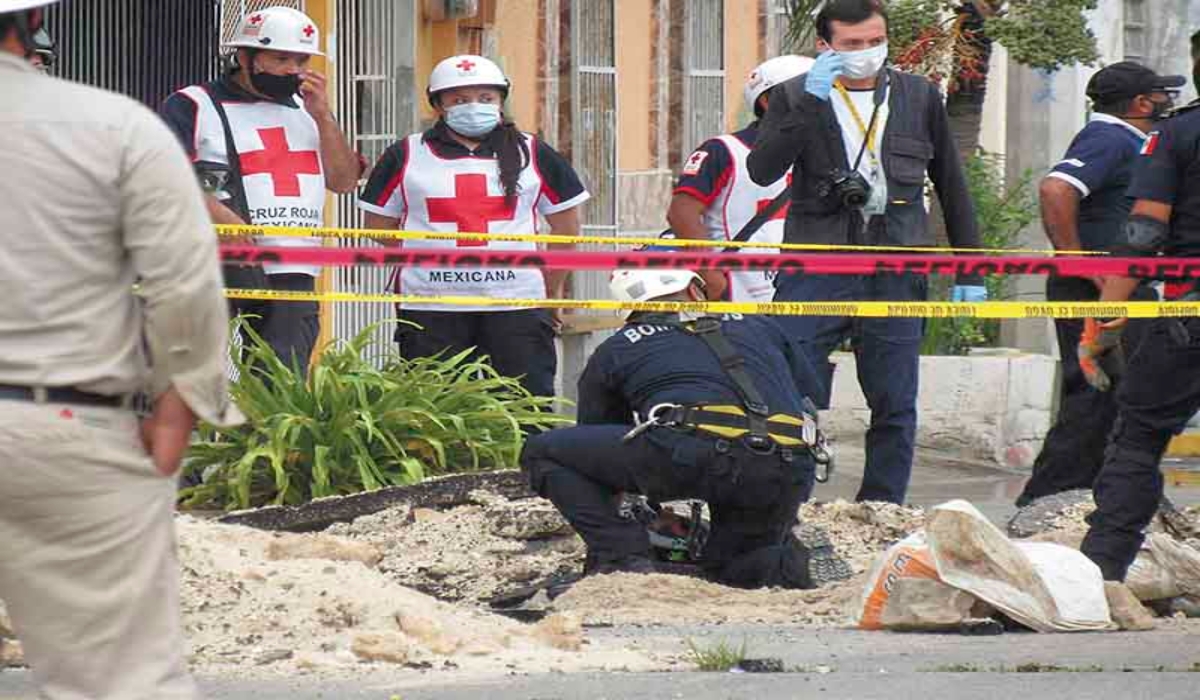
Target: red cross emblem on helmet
point(466, 65)
point(256, 19)
point(309, 31)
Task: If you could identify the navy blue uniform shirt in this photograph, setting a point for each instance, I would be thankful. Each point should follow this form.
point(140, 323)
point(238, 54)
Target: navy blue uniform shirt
point(1099, 163)
point(649, 362)
point(1168, 171)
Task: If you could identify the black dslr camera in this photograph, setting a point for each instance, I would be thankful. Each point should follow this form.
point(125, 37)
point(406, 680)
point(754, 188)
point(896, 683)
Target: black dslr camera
point(849, 187)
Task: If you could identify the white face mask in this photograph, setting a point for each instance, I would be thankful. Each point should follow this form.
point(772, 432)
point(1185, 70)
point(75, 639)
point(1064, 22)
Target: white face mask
point(864, 64)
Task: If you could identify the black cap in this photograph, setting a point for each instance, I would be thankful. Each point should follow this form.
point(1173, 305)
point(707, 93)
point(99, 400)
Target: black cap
point(1127, 79)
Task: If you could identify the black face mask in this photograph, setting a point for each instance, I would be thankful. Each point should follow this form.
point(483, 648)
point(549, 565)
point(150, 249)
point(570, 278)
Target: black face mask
point(276, 87)
point(1161, 108)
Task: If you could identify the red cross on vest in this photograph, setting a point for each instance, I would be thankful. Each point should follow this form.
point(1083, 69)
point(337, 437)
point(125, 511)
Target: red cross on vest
point(471, 209)
point(466, 65)
point(284, 165)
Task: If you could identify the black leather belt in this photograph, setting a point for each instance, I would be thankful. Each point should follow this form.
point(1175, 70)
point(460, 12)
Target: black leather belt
point(59, 395)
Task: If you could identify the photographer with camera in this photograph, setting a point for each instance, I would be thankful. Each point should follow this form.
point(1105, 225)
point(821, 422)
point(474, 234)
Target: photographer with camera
point(861, 139)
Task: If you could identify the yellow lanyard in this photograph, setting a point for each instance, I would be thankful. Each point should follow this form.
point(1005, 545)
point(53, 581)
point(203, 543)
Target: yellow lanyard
point(870, 136)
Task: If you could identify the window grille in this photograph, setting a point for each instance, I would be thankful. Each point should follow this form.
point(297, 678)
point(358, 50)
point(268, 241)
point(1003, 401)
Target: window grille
point(703, 71)
point(374, 53)
point(146, 49)
point(1135, 48)
point(593, 126)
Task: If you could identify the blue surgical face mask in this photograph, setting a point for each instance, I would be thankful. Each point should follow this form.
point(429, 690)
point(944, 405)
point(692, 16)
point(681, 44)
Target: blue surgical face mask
point(473, 119)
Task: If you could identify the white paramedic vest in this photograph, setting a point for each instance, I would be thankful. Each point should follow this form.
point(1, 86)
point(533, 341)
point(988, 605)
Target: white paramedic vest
point(739, 202)
point(465, 195)
point(280, 151)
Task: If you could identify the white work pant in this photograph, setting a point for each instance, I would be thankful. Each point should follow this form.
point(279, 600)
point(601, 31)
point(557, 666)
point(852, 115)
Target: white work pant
point(88, 566)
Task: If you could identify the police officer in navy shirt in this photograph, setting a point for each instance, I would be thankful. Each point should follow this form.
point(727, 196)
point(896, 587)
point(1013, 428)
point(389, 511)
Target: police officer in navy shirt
point(666, 409)
point(1084, 207)
point(1161, 387)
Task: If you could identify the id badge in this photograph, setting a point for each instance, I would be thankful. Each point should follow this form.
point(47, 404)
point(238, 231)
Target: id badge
point(877, 203)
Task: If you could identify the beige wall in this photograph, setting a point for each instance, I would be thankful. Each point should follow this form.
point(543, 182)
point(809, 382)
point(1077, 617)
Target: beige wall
point(516, 34)
point(435, 41)
point(635, 85)
point(741, 55)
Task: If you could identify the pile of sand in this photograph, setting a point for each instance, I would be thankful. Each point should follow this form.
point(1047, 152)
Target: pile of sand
point(659, 599)
point(474, 552)
point(252, 598)
point(470, 553)
point(860, 532)
point(368, 591)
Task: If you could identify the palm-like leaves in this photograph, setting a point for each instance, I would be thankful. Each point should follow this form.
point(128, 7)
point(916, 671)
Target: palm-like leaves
point(354, 427)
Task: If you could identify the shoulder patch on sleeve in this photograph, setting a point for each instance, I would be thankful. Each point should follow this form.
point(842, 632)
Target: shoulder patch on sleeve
point(695, 162)
point(1151, 144)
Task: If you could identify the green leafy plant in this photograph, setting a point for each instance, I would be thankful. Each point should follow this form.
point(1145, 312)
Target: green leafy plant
point(364, 419)
point(1003, 209)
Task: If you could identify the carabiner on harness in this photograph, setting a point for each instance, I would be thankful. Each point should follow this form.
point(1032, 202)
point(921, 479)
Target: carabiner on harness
point(822, 455)
point(653, 418)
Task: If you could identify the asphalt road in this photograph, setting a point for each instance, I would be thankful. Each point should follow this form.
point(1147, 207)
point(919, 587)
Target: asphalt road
point(843, 664)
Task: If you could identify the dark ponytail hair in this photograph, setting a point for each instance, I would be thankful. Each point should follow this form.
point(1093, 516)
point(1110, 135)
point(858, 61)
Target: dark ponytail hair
point(512, 153)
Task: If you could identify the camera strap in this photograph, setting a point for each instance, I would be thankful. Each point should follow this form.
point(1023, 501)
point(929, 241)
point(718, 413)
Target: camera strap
point(237, 189)
point(868, 129)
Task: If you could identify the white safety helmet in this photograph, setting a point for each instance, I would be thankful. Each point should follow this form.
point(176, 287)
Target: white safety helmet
point(646, 285)
point(466, 70)
point(18, 5)
point(772, 73)
point(278, 29)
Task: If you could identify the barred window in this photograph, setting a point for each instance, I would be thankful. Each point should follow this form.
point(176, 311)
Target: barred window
point(593, 126)
point(1134, 39)
point(375, 55)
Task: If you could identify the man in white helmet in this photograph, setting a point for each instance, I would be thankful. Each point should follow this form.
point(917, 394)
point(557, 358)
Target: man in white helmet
point(708, 409)
point(476, 172)
point(266, 145)
point(96, 197)
point(716, 199)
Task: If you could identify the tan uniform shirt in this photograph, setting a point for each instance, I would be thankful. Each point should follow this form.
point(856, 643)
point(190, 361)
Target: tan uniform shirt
point(95, 195)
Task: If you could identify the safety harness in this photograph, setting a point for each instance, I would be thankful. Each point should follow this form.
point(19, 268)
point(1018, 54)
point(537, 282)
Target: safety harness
point(752, 422)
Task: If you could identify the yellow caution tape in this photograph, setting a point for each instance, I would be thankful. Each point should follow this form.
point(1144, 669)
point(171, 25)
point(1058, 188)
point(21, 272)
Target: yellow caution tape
point(230, 231)
point(861, 309)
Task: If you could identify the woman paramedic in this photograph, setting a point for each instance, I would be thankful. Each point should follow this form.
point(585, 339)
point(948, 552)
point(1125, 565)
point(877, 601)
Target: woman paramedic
point(473, 172)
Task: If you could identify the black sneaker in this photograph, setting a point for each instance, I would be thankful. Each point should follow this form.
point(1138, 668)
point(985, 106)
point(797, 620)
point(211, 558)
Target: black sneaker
point(824, 565)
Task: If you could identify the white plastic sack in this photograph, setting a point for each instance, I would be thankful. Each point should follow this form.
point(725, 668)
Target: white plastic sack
point(1046, 587)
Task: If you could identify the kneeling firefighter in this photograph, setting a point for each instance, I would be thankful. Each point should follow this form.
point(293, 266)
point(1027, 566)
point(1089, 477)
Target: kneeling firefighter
point(718, 416)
